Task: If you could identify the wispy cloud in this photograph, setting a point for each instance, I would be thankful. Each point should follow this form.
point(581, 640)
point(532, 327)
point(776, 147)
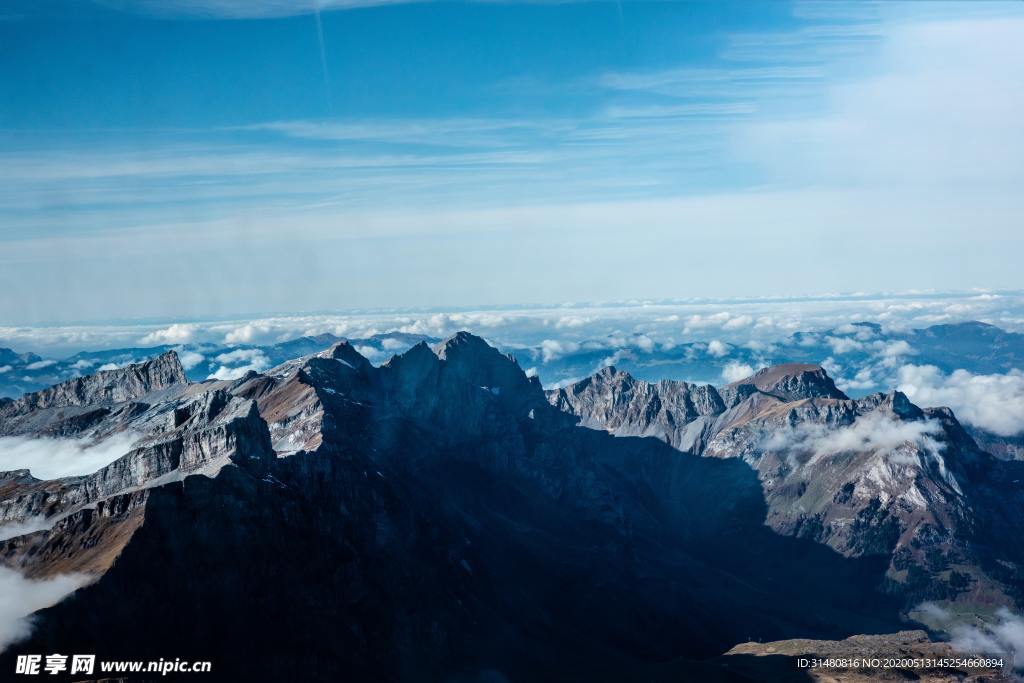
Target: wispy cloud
point(780, 133)
point(10, 530)
point(242, 9)
point(999, 636)
point(20, 597)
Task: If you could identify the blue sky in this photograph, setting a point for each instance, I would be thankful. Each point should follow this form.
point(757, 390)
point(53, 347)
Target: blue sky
point(220, 157)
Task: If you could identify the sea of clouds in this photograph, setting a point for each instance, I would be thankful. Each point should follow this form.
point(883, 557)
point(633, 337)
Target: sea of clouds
point(634, 322)
point(708, 340)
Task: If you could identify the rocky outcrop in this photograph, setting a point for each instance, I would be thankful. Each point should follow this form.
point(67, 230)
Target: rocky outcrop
point(199, 434)
point(103, 388)
point(676, 412)
point(788, 382)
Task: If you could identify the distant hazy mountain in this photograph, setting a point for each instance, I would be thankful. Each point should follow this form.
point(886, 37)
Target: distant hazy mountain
point(973, 346)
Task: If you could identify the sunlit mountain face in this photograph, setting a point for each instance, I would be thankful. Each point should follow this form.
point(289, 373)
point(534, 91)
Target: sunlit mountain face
point(500, 342)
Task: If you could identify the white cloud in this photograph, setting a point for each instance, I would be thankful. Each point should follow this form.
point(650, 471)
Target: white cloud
point(717, 349)
point(935, 612)
point(840, 345)
point(371, 353)
point(1002, 638)
point(881, 128)
point(40, 364)
point(595, 326)
point(20, 597)
point(734, 372)
point(893, 351)
point(246, 334)
point(190, 359)
point(108, 366)
point(874, 433)
point(4, 368)
point(738, 323)
point(699, 321)
point(991, 402)
point(644, 343)
point(552, 349)
point(178, 333)
point(83, 364)
point(254, 356)
point(253, 360)
point(50, 458)
point(226, 373)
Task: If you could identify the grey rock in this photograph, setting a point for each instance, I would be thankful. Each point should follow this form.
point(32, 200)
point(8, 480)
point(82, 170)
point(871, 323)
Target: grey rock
point(103, 388)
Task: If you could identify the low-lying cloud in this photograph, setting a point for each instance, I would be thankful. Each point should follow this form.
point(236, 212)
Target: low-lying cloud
point(1002, 637)
point(734, 372)
point(190, 359)
point(992, 402)
point(20, 597)
point(28, 526)
point(178, 333)
point(253, 360)
point(717, 349)
point(874, 433)
point(50, 458)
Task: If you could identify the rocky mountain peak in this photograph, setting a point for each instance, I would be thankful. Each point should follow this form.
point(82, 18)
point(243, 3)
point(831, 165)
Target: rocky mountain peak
point(474, 360)
point(462, 343)
point(344, 352)
point(418, 356)
point(901, 406)
point(794, 382)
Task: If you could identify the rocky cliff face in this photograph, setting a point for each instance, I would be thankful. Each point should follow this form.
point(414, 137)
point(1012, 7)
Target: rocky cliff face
point(876, 476)
point(103, 388)
point(434, 518)
point(191, 430)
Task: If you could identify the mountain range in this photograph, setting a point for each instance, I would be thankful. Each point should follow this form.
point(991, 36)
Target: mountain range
point(441, 516)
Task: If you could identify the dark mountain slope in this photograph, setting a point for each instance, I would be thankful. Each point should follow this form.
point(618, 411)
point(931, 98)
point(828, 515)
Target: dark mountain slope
point(435, 519)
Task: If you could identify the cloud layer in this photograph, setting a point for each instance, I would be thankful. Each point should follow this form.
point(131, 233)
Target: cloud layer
point(762, 321)
point(54, 458)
